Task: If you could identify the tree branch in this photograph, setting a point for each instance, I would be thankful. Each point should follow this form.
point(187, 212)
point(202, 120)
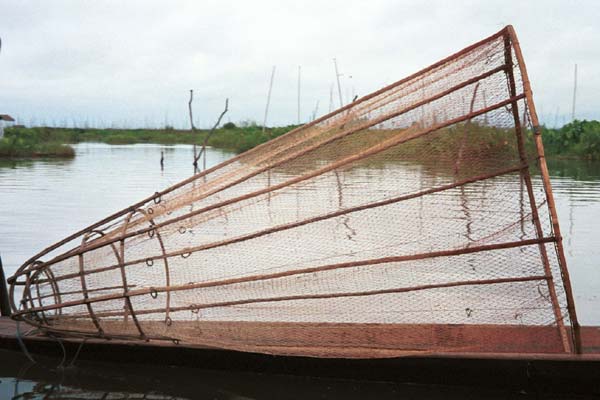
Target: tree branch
point(203, 150)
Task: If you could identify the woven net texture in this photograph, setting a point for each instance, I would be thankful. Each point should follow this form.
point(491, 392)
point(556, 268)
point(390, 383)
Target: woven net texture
point(414, 220)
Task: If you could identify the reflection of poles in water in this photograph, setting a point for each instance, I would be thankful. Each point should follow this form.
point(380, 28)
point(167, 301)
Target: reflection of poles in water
point(162, 160)
point(522, 206)
point(346, 218)
point(270, 212)
point(298, 204)
point(463, 193)
point(421, 184)
point(570, 218)
point(467, 127)
point(467, 212)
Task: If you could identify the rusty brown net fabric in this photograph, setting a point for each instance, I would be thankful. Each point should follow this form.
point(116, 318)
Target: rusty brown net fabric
point(414, 220)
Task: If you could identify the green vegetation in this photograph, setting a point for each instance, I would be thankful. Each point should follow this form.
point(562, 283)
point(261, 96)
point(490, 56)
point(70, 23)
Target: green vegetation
point(229, 137)
point(27, 144)
point(578, 139)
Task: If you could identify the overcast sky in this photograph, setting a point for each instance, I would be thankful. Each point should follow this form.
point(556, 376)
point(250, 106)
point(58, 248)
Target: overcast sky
point(132, 63)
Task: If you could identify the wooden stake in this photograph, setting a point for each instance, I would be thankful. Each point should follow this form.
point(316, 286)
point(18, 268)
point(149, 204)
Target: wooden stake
point(574, 93)
point(268, 99)
point(337, 77)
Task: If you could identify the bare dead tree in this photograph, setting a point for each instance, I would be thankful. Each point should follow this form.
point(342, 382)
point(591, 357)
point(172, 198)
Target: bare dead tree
point(207, 137)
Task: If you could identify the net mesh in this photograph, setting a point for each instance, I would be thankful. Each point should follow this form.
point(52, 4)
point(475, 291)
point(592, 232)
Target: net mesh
point(415, 219)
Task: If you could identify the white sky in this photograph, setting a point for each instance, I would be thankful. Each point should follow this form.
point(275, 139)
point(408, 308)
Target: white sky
point(132, 63)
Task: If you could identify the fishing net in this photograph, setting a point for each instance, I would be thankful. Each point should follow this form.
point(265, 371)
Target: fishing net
point(416, 220)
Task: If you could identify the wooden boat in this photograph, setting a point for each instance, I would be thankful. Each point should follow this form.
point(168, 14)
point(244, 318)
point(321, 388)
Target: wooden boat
point(415, 221)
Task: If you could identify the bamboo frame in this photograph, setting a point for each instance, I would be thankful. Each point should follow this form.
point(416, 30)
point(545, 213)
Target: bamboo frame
point(350, 119)
point(84, 284)
point(195, 307)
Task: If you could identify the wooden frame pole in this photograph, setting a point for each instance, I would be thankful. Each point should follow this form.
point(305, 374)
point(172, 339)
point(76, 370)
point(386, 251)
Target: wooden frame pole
point(526, 177)
point(548, 189)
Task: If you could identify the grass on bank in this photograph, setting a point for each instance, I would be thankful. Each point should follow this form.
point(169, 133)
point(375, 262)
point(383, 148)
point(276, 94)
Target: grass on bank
point(229, 137)
point(578, 139)
point(29, 146)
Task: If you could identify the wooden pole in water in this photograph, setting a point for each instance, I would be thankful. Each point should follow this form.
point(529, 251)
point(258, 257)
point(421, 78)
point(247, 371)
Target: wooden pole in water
point(574, 93)
point(299, 71)
point(331, 98)
point(193, 129)
point(268, 99)
point(4, 306)
point(337, 76)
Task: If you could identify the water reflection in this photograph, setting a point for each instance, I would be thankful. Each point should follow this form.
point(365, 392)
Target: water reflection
point(19, 379)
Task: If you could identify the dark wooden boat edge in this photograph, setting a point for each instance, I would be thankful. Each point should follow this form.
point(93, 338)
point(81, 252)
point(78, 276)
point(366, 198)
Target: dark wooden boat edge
point(574, 373)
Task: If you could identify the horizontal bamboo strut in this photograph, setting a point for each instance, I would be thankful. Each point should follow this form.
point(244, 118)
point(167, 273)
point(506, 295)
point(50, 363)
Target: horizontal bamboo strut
point(173, 288)
point(196, 307)
point(419, 205)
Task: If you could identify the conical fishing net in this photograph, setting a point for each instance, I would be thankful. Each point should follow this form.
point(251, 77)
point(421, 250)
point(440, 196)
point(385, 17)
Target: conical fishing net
point(416, 220)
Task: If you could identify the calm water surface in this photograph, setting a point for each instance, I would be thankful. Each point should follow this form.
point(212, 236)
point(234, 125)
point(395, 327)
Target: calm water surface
point(44, 200)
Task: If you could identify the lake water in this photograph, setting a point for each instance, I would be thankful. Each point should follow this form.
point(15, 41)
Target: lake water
point(45, 200)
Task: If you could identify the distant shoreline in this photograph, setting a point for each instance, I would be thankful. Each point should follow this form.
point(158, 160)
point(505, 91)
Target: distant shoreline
point(20, 142)
point(576, 140)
